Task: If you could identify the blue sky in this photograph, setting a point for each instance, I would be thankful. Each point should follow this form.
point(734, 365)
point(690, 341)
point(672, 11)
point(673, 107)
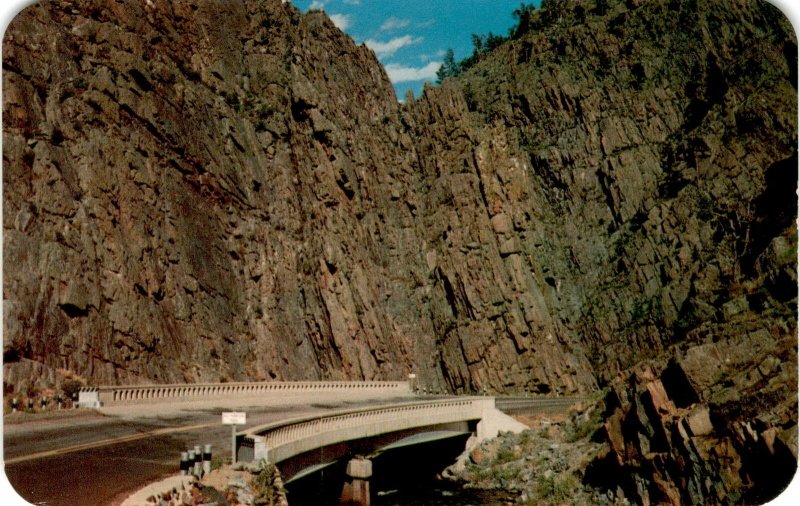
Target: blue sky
point(410, 37)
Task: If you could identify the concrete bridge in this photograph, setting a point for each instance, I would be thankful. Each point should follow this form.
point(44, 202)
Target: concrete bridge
point(300, 445)
point(277, 442)
point(316, 422)
point(294, 444)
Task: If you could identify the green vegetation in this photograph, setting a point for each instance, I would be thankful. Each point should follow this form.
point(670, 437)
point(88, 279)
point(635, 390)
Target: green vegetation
point(71, 387)
point(526, 438)
point(556, 490)
point(217, 461)
point(232, 99)
point(505, 454)
point(450, 67)
point(646, 312)
point(584, 428)
point(482, 45)
point(267, 485)
point(497, 473)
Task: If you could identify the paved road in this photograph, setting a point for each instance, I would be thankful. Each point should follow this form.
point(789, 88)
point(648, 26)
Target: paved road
point(96, 459)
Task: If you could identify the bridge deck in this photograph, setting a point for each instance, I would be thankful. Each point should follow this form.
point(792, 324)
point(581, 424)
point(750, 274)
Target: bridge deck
point(282, 440)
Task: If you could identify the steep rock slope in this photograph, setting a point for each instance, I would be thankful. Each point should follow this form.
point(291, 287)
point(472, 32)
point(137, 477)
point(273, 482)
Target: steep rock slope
point(202, 191)
point(212, 191)
point(640, 161)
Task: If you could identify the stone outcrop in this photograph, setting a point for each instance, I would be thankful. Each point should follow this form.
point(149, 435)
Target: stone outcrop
point(211, 191)
point(543, 465)
point(713, 426)
point(203, 191)
point(624, 166)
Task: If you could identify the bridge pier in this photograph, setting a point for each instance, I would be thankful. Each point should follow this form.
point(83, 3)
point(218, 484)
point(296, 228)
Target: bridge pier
point(356, 490)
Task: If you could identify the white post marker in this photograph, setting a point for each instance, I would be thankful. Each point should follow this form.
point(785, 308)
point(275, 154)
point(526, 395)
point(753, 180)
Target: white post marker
point(233, 418)
point(412, 383)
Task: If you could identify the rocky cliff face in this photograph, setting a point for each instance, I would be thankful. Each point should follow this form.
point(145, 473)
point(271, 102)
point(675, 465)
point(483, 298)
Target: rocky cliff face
point(637, 164)
point(653, 195)
point(211, 191)
point(202, 191)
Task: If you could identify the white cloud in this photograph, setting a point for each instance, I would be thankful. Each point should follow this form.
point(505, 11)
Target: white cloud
point(383, 49)
point(394, 23)
point(317, 4)
point(401, 74)
point(428, 56)
point(342, 21)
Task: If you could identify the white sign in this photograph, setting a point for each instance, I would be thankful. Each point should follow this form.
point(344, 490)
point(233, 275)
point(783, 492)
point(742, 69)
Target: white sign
point(234, 418)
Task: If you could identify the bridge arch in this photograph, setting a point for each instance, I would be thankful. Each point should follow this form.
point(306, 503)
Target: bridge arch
point(280, 441)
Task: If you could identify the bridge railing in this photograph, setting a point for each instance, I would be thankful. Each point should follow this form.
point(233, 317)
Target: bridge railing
point(270, 390)
point(279, 441)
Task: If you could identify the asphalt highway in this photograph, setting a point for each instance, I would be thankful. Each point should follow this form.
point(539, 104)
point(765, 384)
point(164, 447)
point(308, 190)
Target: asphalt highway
point(99, 460)
point(92, 458)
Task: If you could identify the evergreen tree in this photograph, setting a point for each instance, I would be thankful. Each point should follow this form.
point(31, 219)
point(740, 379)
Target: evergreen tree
point(477, 43)
point(485, 44)
point(493, 42)
point(524, 10)
point(449, 68)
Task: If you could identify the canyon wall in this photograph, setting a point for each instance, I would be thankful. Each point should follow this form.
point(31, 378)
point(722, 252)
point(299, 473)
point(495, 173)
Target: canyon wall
point(230, 191)
point(202, 191)
point(211, 191)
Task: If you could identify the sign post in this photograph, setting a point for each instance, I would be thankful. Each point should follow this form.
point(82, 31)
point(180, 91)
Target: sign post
point(233, 419)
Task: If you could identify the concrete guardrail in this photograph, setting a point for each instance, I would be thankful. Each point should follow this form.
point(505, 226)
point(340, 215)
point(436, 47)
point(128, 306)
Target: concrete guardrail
point(275, 391)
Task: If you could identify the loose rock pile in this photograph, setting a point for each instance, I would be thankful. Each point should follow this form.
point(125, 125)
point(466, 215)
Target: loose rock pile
point(543, 465)
point(247, 485)
point(257, 484)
